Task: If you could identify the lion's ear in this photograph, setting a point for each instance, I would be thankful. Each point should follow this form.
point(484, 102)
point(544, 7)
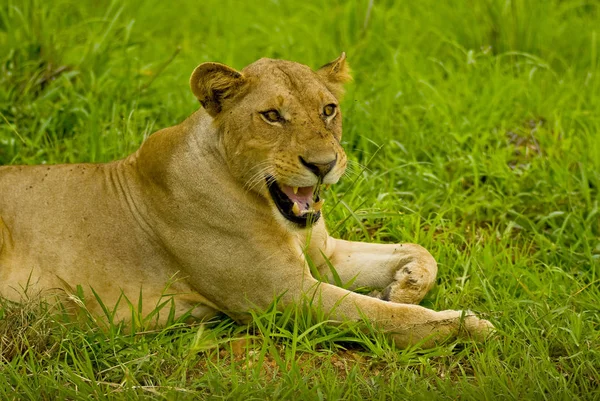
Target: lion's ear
point(214, 84)
point(335, 75)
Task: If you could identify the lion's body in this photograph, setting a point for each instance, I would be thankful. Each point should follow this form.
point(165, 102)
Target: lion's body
point(190, 211)
point(90, 224)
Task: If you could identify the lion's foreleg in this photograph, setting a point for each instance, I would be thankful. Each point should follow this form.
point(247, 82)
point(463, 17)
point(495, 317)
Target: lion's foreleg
point(401, 273)
point(406, 324)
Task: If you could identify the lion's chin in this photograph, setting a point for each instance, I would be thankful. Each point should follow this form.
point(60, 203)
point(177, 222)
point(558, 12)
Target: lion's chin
point(300, 205)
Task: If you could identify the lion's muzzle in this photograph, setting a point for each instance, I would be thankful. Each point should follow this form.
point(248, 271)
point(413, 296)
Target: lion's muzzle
point(300, 205)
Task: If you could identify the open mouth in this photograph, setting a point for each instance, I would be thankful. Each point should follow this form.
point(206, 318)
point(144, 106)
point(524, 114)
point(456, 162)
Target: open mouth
point(300, 205)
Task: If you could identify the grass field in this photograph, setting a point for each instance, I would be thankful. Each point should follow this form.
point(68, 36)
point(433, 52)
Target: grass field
point(478, 126)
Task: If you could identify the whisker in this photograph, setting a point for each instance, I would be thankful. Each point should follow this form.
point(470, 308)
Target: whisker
point(255, 176)
point(263, 169)
point(350, 174)
point(252, 183)
point(354, 163)
point(351, 171)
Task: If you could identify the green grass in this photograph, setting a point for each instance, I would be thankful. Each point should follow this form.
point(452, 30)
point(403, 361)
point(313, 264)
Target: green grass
point(479, 126)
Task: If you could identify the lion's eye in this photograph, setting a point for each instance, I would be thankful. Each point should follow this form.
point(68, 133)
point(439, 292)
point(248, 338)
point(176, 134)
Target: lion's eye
point(272, 116)
point(329, 110)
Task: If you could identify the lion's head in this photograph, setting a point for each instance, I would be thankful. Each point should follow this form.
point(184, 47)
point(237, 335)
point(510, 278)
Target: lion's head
point(280, 128)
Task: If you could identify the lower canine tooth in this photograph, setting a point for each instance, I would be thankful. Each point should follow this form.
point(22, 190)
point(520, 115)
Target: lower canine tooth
point(296, 209)
point(318, 205)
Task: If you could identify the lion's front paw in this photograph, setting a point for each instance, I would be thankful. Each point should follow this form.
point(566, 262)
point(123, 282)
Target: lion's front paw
point(414, 277)
point(409, 287)
point(444, 326)
point(477, 329)
point(468, 325)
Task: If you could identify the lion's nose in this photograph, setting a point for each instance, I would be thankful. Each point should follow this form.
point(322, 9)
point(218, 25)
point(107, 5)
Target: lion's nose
point(319, 169)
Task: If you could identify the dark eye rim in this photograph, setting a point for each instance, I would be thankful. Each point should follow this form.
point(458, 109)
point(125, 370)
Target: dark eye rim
point(333, 109)
point(266, 114)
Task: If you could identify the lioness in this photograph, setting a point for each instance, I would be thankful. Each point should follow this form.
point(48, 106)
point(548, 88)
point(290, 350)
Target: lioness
point(229, 203)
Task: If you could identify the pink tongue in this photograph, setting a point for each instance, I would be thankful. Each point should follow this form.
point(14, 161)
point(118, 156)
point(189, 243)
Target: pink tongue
point(304, 197)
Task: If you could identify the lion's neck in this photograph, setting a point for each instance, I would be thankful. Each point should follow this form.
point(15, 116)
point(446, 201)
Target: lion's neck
point(179, 182)
point(177, 159)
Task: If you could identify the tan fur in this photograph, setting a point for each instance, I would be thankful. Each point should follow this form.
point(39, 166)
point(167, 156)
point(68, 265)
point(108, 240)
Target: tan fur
point(191, 208)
